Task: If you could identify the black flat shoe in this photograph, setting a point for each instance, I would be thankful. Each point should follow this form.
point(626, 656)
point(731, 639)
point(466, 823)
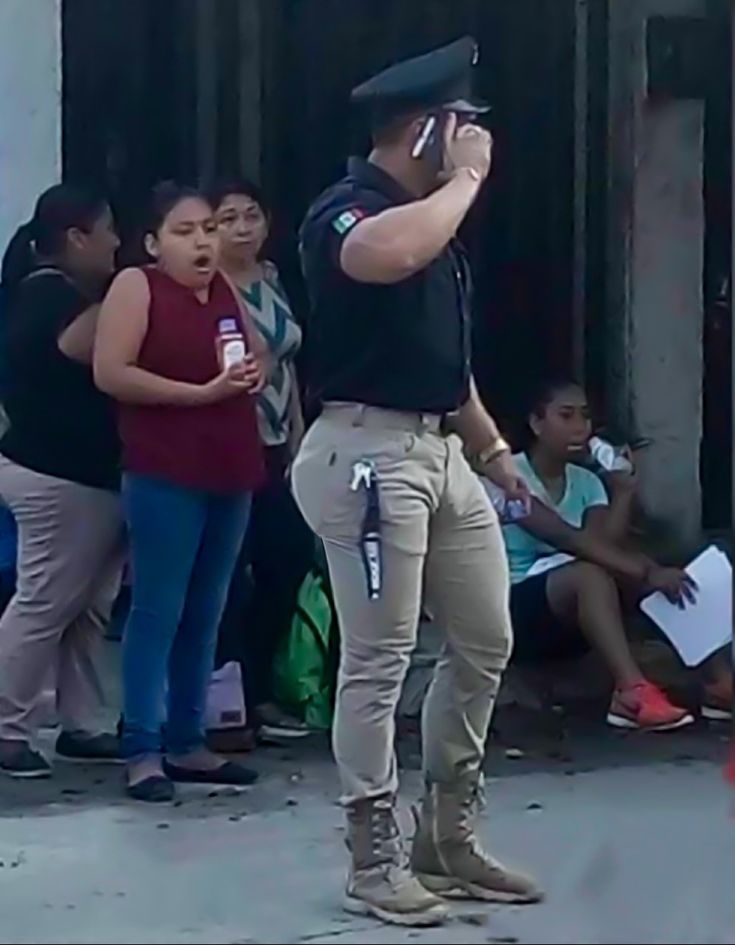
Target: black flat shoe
point(153, 790)
point(19, 760)
point(91, 749)
point(230, 773)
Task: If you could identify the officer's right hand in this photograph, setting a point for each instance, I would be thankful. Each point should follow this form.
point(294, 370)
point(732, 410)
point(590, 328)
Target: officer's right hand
point(468, 146)
point(503, 472)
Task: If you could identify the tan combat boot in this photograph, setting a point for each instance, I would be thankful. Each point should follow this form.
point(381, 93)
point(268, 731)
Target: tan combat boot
point(381, 883)
point(447, 857)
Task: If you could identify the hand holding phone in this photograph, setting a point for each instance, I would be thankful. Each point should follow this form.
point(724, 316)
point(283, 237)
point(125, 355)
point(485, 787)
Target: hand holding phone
point(467, 146)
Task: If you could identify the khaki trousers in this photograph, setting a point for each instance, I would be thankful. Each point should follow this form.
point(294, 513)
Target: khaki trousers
point(442, 540)
point(70, 558)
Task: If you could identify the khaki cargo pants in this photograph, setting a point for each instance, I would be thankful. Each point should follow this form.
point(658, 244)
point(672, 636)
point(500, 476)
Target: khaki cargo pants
point(442, 541)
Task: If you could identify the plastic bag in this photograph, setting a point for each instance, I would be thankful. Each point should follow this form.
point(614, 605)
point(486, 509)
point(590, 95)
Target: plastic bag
point(305, 669)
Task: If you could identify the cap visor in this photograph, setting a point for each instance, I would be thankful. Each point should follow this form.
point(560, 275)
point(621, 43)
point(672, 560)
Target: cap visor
point(463, 106)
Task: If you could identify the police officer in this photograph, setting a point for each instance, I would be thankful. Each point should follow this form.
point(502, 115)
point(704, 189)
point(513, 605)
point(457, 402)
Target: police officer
point(383, 479)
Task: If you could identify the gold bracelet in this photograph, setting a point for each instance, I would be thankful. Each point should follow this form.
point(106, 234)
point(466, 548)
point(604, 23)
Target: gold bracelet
point(492, 452)
point(471, 171)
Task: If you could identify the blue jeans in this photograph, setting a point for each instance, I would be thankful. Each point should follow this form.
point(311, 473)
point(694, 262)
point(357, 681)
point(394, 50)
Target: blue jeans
point(184, 546)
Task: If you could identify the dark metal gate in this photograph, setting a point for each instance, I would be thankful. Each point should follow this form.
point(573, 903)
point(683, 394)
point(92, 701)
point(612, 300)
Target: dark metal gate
point(717, 454)
point(521, 237)
point(180, 87)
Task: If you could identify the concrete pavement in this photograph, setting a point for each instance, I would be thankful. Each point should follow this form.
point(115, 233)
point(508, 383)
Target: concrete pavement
point(643, 853)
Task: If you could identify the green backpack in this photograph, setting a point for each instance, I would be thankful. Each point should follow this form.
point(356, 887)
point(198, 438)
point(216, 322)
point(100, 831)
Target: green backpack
point(305, 669)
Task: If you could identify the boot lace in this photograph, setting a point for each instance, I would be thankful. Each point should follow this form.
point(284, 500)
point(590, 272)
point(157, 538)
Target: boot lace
point(385, 851)
point(473, 803)
point(384, 832)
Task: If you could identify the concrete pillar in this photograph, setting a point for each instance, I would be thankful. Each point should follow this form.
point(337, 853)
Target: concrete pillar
point(656, 245)
point(30, 114)
point(667, 318)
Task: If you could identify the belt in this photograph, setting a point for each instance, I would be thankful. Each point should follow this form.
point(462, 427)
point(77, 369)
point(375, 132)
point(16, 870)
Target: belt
point(380, 418)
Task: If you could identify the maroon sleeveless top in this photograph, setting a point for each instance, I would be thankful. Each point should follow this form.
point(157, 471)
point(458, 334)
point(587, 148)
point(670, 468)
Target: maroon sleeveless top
point(214, 447)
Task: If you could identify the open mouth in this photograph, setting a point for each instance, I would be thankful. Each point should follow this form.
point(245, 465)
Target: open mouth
point(203, 263)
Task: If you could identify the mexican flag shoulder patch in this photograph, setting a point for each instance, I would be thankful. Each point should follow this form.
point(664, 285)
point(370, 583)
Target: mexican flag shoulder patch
point(345, 221)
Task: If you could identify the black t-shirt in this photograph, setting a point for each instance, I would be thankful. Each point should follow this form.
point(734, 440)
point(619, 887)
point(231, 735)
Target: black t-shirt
point(60, 424)
point(404, 346)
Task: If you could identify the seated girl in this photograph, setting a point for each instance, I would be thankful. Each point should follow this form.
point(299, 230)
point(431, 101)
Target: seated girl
point(562, 604)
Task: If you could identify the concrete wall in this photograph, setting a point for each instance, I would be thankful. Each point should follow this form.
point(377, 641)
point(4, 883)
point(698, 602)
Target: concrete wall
point(656, 257)
point(30, 106)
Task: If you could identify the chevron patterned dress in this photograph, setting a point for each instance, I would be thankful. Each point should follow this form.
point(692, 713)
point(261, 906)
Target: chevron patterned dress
point(275, 321)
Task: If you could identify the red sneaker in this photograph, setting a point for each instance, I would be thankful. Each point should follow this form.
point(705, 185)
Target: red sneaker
point(730, 767)
point(647, 708)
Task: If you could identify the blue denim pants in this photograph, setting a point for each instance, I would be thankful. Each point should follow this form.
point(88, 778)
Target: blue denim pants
point(184, 545)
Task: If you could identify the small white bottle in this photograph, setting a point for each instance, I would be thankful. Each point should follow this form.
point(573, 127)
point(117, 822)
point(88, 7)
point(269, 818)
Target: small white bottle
point(231, 345)
point(608, 457)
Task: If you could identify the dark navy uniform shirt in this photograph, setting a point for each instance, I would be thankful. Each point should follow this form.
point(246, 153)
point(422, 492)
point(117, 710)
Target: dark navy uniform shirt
point(404, 346)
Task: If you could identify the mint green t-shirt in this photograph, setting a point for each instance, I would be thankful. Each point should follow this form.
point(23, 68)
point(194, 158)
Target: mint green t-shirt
point(584, 490)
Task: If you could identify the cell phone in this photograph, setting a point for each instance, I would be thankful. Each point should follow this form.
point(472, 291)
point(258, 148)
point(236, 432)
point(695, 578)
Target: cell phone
point(425, 136)
point(429, 137)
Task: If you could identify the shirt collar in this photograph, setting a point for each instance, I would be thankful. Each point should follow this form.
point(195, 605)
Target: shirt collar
point(370, 175)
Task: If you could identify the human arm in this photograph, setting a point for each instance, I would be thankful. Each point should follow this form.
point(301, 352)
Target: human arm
point(76, 341)
point(121, 331)
point(615, 520)
point(398, 242)
point(589, 545)
point(296, 415)
point(401, 241)
point(488, 452)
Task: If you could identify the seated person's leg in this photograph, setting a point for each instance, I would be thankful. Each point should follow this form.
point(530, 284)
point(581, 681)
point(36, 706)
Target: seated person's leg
point(585, 597)
point(540, 636)
point(581, 603)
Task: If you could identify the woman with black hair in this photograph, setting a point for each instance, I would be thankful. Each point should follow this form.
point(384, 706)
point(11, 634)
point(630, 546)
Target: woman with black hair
point(562, 604)
point(59, 477)
point(280, 546)
point(191, 459)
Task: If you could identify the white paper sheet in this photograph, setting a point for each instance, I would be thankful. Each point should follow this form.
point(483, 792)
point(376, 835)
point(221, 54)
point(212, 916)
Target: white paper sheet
point(702, 628)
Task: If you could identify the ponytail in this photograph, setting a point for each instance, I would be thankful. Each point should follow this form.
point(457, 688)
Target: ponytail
point(59, 209)
point(19, 259)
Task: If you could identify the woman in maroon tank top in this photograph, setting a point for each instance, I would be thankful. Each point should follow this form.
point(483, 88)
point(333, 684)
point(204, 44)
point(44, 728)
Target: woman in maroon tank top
point(192, 459)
